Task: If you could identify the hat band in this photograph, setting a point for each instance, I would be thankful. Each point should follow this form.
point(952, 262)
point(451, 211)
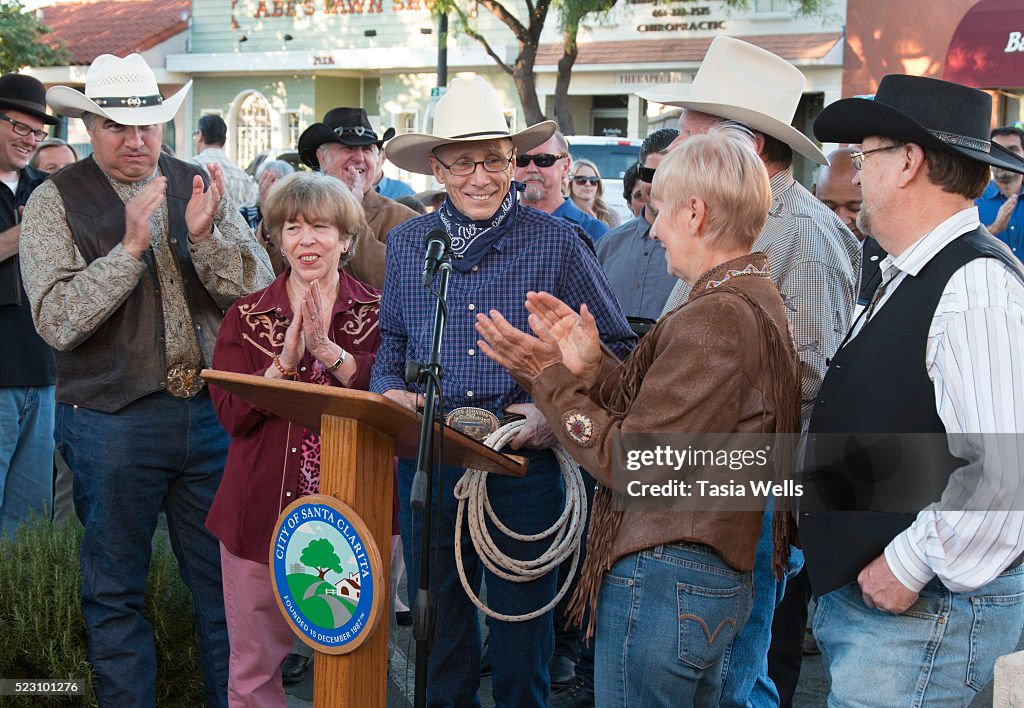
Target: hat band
point(359, 131)
point(963, 141)
point(128, 101)
point(493, 133)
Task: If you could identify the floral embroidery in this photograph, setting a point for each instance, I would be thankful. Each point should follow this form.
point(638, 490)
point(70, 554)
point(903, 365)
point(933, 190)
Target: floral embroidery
point(361, 321)
point(265, 326)
point(732, 273)
point(579, 426)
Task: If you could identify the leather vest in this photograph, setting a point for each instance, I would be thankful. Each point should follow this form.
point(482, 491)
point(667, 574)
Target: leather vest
point(125, 358)
point(877, 451)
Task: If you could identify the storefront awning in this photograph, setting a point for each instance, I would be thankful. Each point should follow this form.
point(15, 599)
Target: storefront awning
point(987, 49)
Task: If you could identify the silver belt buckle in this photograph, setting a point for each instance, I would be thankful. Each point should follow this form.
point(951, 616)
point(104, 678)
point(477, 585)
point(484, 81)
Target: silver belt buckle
point(477, 423)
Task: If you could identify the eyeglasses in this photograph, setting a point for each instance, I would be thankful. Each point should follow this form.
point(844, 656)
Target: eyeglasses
point(24, 130)
point(857, 158)
point(645, 174)
point(461, 168)
point(581, 180)
point(542, 160)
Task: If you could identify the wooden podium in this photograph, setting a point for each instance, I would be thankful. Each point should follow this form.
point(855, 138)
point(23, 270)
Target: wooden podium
point(361, 434)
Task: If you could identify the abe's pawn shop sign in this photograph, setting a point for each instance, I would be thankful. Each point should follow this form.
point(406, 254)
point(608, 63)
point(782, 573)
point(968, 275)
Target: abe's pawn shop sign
point(327, 574)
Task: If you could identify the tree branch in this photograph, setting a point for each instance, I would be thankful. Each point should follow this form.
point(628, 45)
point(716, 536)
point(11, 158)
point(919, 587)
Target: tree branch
point(487, 48)
point(510, 20)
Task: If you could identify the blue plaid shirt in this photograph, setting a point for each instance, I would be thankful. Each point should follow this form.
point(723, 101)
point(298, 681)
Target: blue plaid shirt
point(539, 253)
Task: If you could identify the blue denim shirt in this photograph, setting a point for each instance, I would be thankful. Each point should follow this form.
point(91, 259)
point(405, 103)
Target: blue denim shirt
point(570, 212)
point(637, 268)
point(538, 253)
point(988, 204)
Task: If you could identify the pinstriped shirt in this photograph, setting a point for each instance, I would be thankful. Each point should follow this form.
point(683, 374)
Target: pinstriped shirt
point(973, 358)
point(815, 262)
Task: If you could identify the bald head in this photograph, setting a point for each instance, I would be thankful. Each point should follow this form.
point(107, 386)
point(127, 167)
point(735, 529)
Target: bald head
point(835, 188)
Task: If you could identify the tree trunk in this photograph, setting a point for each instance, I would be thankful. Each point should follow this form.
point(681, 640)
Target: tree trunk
point(526, 84)
point(322, 572)
point(562, 112)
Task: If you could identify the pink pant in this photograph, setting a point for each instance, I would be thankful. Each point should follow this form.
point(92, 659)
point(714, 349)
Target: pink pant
point(260, 637)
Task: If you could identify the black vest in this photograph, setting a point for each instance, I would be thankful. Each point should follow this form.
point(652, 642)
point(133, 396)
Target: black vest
point(877, 451)
point(125, 358)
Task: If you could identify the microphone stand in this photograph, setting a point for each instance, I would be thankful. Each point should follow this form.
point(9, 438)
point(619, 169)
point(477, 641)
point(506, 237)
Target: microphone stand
point(422, 486)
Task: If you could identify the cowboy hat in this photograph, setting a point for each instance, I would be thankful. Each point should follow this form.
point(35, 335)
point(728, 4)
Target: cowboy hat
point(747, 84)
point(348, 126)
point(25, 94)
point(123, 90)
point(931, 113)
point(469, 111)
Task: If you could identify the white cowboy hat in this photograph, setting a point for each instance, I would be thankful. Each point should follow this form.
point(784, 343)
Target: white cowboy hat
point(469, 111)
point(747, 84)
point(123, 90)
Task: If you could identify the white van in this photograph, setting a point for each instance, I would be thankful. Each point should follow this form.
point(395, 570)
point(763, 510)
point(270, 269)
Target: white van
point(613, 156)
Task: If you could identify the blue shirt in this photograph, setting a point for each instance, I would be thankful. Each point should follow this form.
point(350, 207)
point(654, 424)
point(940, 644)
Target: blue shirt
point(637, 268)
point(538, 253)
point(570, 212)
point(988, 204)
point(394, 188)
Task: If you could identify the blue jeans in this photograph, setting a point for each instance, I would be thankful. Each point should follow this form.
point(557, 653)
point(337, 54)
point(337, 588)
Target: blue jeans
point(520, 651)
point(940, 652)
point(26, 455)
point(745, 681)
point(665, 617)
point(159, 452)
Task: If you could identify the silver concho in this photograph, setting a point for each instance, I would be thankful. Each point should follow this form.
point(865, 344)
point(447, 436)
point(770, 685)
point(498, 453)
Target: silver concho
point(359, 130)
point(133, 102)
point(477, 423)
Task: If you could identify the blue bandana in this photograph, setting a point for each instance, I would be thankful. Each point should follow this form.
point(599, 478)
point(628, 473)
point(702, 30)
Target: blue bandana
point(471, 240)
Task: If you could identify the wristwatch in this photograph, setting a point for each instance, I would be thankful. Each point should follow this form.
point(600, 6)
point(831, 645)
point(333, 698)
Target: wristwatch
point(339, 362)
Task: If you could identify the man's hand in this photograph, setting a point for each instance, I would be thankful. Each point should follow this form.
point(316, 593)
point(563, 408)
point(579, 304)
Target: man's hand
point(1003, 215)
point(137, 213)
point(535, 434)
point(203, 204)
point(407, 399)
point(882, 590)
point(9, 241)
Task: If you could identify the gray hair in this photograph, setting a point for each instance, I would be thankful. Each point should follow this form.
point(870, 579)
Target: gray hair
point(277, 167)
point(49, 143)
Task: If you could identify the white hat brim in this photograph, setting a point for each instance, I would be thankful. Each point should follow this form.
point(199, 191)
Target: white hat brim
point(412, 151)
point(678, 96)
point(73, 103)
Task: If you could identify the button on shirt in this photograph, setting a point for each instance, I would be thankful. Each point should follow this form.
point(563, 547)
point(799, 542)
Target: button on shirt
point(637, 268)
point(988, 206)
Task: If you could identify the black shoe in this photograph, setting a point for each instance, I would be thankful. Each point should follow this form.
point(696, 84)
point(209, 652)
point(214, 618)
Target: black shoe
point(562, 671)
point(294, 668)
point(578, 694)
point(404, 619)
point(485, 657)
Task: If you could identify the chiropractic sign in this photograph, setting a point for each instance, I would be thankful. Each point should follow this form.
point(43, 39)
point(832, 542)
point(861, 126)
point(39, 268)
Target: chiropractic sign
point(327, 574)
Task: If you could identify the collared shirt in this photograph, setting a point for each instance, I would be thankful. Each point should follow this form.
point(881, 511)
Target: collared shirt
point(988, 206)
point(570, 212)
point(815, 262)
point(393, 188)
point(240, 187)
point(538, 253)
point(975, 346)
point(637, 268)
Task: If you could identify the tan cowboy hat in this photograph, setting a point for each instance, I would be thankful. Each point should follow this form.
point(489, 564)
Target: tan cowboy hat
point(123, 90)
point(747, 84)
point(469, 111)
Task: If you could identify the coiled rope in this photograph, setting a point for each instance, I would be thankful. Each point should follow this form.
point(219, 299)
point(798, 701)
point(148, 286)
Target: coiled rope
point(567, 531)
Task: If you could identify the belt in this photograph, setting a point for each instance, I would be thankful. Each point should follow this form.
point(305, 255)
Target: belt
point(477, 423)
point(184, 381)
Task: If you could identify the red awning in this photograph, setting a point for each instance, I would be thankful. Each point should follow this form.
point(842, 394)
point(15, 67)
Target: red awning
point(987, 49)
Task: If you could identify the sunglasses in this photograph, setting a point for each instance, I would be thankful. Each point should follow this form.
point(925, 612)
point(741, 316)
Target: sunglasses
point(542, 160)
point(646, 174)
point(581, 180)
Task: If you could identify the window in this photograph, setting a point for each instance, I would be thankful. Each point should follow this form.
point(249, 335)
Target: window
point(292, 130)
point(252, 128)
point(773, 6)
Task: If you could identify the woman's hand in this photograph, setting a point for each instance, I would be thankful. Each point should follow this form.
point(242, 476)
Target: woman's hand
point(575, 335)
point(292, 351)
point(522, 355)
point(314, 326)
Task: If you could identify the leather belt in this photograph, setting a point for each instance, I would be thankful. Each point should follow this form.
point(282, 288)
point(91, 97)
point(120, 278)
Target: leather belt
point(184, 381)
point(477, 423)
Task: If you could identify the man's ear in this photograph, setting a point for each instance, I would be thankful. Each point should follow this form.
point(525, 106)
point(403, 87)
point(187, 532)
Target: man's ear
point(912, 163)
point(437, 169)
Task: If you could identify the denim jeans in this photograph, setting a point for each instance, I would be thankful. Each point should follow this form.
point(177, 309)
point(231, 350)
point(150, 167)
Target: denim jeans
point(519, 651)
point(26, 455)
point(159, 452)
point(745, 680)
point(940, 652)
point(665, 617)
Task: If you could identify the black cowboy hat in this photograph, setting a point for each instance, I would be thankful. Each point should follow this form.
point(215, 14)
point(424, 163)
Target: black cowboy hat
point(24, 93)
point(348, 126)
point(934, 114)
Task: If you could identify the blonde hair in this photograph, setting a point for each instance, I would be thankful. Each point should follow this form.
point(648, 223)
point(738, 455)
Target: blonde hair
point(723, 169)
point(601, 210)
point(316, 197)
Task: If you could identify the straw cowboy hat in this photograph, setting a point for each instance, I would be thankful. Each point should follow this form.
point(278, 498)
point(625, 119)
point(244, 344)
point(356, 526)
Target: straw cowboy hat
point(931, 113)
point(347, 126)
point(123, 90)
point(25, 94)
point(469, 111)
point(747, 84)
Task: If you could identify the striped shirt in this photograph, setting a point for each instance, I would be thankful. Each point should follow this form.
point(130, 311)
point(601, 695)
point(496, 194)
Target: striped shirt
point(815, 262)
point(973, 357)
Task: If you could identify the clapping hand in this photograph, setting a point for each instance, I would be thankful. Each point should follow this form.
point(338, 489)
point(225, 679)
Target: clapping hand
point(575, 335)
point(524, 356)
point(137, 212)
point(202, 206)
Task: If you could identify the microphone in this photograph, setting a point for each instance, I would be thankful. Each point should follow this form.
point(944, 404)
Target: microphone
point(437, 243)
